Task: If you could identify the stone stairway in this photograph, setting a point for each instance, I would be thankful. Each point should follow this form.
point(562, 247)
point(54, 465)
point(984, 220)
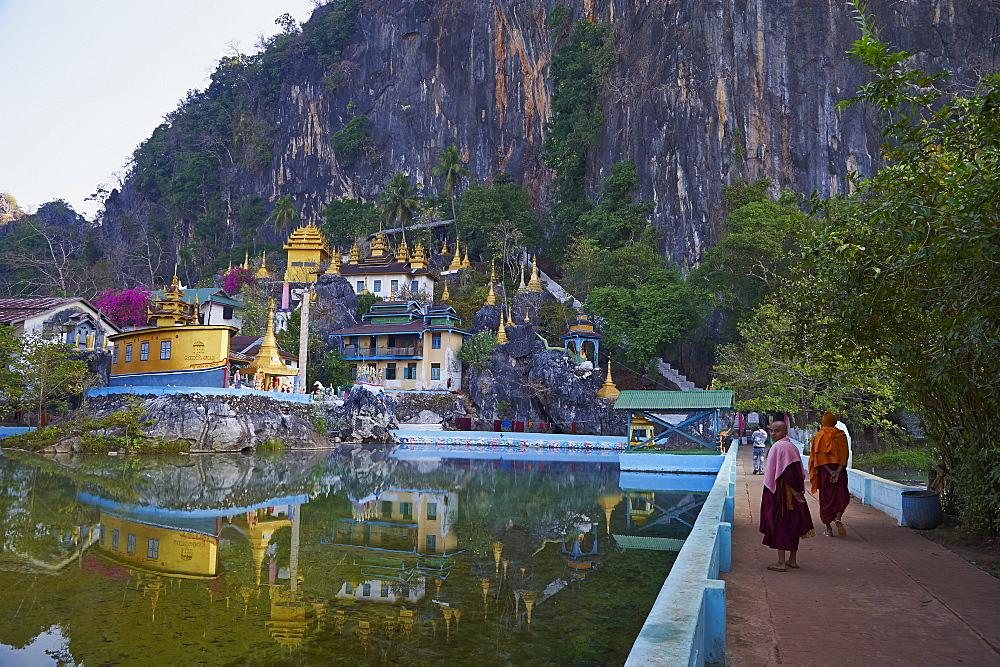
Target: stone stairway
point(556, 290)
point(671, 374)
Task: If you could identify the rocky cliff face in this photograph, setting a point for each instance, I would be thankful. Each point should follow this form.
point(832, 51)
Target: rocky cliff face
point(705, 92)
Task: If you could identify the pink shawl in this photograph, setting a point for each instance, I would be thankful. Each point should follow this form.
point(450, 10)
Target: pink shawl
point(782, 454)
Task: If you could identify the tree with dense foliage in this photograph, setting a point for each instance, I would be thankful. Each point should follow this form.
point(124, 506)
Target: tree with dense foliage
point(236, 279)
point(476, 349)
point(349, 219)
point(904, 267)
point(283, 215)
point(126, 308)
point(399, 200)
point(617, 220)
point(503, 207)
point(49, 372)
point(449, 168)
point(579, 68)
point(353, 143)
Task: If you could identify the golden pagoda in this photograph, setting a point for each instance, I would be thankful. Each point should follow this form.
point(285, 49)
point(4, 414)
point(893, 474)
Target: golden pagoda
point(307, 251)
point(419, 258)
point(172, 309)
point(334, 268)
point(355, 255)
point(444, 246)
point(402, 252)
point(262, 272)
point(466, 264)
point(501, 339)
point(445, 296)
point(608, 503)
point(534, 285)
point(491, 298)
point(380, 246)
point(267, 364)
point(609, 390)
point(456, 262)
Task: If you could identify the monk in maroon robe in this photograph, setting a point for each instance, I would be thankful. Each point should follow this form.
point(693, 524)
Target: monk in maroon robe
point(828, 474)
point(784, 515)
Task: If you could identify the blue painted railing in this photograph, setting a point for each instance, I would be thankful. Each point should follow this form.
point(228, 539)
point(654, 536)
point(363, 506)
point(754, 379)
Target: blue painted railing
point(204, 391)
point(687, 624)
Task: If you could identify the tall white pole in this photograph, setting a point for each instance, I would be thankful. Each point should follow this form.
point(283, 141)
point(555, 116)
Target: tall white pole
point(304, 340)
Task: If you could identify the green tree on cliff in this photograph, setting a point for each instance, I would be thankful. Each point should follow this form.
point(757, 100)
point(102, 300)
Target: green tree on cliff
point(449, 168)
point(398, 201)
point(283, 215)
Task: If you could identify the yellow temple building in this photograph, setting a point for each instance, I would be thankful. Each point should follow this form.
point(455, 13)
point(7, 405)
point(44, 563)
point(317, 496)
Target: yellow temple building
point(175, 351)
point(308, 254)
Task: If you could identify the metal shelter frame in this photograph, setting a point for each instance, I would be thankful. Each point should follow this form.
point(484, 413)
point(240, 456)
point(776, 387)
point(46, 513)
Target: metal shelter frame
point(698, 405)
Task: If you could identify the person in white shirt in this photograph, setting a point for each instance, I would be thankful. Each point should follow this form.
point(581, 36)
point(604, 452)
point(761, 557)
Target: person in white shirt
point(759, 443)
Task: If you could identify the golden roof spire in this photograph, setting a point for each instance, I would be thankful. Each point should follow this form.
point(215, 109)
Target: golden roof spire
point(466, 264)
point(535, 285)
point(379, 246)
point(355, 255)
point(491, 298)
point(334, 268)
point(501, 339)
point(444, 246)
point(262, 272)
point(456, 262)
point(608, 390)
point(419, 258)
point(445, 296)
point(493, 272)
point(402, 252)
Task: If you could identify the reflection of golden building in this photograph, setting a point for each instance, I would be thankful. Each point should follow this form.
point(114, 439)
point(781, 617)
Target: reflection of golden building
point(170, 551)
point(292, 617)
point(406, 521)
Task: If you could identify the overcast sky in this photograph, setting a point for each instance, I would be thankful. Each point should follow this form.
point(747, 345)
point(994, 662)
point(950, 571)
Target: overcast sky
point(83, 82)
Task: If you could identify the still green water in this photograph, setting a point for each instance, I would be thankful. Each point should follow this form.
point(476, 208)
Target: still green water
point(348, 557)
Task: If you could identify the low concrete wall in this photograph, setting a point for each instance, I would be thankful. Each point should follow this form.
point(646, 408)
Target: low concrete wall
point(204, 391)
point(882, 494)
point(663, 462)
point(408, 436)
point(687, 624)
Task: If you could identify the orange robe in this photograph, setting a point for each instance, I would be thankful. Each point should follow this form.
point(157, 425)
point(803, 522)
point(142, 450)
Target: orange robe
point(829, 447)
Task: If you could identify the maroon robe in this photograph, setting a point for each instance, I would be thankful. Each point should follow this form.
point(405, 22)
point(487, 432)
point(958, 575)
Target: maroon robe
point(833, 496)
point(782, 527)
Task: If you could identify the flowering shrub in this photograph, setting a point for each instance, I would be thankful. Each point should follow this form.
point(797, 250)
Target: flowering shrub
point(237, 279)
point(126, 308)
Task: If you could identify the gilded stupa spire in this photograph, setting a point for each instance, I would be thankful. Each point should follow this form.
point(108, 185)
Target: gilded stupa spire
point(456, 262)
point(608, 390)
point(522, 287)
point(246, 260)
point(445, 296)
point(379, 246)
point(355, 255)
point(262, 272)
point(501, 339)
point(419, 258)
point(402, 252)
point(535, 285)
point(334, 268)
point(444, 246)
point(466, 264)
point(491, 298)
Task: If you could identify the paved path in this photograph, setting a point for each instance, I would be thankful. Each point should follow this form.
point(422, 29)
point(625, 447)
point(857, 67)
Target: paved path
point(885, 594)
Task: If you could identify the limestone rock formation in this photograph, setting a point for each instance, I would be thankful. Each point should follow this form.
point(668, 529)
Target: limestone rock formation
point(335, 305)
point(527, 381)
point(368, 417)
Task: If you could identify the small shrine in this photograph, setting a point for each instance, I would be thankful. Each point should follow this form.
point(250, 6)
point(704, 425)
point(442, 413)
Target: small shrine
point(582, 335)
point(267, 368)
point(307, 252)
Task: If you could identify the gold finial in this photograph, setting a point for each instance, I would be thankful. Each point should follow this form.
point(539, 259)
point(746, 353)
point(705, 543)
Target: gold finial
point(364, 290)
point(527, 320)
point(246, 260)
point(262, 272)
point(355, 255)
point(379, 246)
point(445, 296)
point(466, 264)
point(491, 298)
point(493, 272)
point(402, 252)
point(501, 336)
point(444, 246)
point(535, 285)
point(609, 390)
point(419, 258)
point(510, 316)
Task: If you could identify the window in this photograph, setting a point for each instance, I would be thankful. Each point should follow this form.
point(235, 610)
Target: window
point(384, 589)
point(390, 371)
point(390, 341)
point(366, 589)
point(395, 286)
point(128, 353)
point(431, 542)
point(354, 371)
point(131, 543)
point(114, 355)
point(114, 538)
point(144, 352)
point(102, 533)
point(378, 286)
point(436, 341)
point(414, 287)
point(361, 286)
point(435, 371)
point(404, 591)
point(227, 312)
point(410, 372)
point(432, 511)
point(165, 349)
point(406, 509)
point(152, 548)
point(348, 588)
point(386, 509)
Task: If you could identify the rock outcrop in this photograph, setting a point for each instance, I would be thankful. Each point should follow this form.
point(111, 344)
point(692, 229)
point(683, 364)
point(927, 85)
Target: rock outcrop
point(526, 380)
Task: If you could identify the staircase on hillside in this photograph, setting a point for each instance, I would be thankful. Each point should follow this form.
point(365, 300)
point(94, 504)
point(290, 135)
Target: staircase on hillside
point(556, 290)
point(669, 373)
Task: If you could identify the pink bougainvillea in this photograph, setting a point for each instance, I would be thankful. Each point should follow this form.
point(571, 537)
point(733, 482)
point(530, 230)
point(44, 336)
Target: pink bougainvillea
point(237, 279)
point(126, 308)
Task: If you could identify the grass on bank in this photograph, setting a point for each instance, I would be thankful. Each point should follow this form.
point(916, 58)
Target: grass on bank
point(918, 459)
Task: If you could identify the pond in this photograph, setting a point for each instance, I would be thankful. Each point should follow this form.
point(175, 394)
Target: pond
point(908, 476)
point(348, 557)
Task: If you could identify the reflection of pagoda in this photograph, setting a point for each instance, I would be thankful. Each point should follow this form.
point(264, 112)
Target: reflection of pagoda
point(292, 617)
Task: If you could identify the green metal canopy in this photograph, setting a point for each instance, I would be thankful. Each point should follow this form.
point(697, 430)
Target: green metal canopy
point(675, 401)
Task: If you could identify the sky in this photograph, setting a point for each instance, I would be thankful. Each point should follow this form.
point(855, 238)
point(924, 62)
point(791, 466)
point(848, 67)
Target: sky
point(84, 82)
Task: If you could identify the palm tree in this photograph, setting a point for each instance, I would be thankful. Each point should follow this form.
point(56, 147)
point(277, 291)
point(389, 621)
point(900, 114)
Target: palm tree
point(450, 168)
point(284, 214)
point(398, 200)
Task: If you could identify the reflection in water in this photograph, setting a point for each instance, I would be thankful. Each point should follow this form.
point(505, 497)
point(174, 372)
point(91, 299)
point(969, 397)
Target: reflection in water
point(347, 557)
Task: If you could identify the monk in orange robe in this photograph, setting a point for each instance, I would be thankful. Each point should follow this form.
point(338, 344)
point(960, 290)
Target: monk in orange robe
point(784, 515)
point(828, 474)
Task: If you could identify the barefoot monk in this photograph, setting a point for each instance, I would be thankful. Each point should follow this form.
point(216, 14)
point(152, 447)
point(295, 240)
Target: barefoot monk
point(828, 474)
point(784, 515)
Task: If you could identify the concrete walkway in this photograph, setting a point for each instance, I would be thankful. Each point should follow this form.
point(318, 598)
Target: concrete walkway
point(885, 594)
